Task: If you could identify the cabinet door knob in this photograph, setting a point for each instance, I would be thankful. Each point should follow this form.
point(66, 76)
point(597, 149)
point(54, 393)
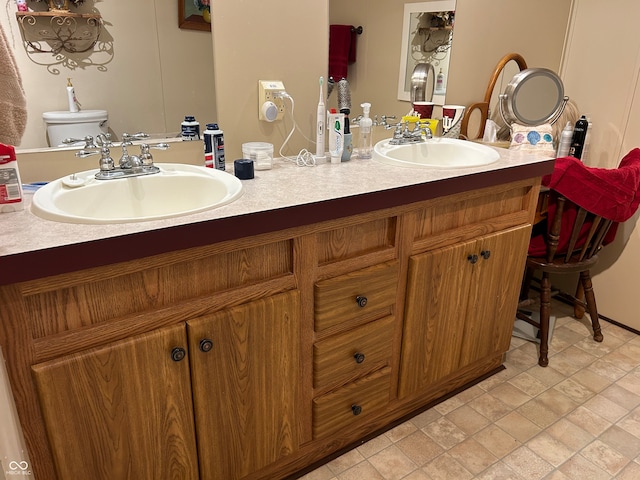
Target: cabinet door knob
point(356, 409)
point(361, 300)
point(359, 357)
point(206, 345)
point(473, 258)
point(178, 353)
point(485, 254)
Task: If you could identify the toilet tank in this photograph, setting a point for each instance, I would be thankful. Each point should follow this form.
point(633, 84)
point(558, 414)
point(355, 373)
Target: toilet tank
point(62, 125)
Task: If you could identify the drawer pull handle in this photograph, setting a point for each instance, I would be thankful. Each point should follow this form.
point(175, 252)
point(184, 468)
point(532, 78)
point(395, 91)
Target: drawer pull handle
point(356, 409)
point(472, 258)
point(206, 345)
point(359, 357)
point(361, 300)
point(485, 254)
point(178, 353)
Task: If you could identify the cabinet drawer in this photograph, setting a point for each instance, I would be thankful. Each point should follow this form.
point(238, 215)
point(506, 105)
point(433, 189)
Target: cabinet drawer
point(348, 296)
point(361, 399)
point(343, 357)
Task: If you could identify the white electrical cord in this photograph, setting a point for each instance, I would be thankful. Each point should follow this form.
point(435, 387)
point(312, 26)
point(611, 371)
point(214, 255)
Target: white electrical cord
point(304, 158)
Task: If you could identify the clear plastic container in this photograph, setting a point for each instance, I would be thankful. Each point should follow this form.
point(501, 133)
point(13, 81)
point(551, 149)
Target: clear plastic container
point(260, 152)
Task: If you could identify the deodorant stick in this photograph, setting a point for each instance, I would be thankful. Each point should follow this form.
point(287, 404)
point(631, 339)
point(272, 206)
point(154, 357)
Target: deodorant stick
point(10, 184)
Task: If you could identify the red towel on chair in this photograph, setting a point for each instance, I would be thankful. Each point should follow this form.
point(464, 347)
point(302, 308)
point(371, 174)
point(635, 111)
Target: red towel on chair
point(611, 193)
point(342, 50)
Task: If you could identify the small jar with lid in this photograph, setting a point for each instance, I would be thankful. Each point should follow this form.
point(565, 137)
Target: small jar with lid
point(260, 152)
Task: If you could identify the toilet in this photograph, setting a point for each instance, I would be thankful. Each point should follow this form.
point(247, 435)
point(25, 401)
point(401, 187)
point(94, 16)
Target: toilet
point(62, 125)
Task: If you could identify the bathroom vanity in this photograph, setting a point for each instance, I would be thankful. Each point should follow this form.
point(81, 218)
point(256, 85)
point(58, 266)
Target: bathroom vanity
point(257, 339)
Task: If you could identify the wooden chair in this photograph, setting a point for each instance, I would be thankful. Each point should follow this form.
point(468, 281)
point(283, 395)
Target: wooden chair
point(580, 235)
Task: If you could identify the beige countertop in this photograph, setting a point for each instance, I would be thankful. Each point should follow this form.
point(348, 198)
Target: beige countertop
point(285, 196)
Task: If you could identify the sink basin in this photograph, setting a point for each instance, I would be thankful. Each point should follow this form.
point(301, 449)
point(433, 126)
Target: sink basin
point(435, 153)
point(177, 190)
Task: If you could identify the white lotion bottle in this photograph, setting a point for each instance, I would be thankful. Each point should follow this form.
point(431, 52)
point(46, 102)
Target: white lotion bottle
point(365, 146)
point(71, 96)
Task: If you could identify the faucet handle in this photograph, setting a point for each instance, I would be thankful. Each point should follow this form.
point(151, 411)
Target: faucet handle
point(128, 138)
point(384, 119)
point(104, 140)
point(106, 162)
point(145, 156)
point(86, 153)
point(160, 146)
point(88, 141)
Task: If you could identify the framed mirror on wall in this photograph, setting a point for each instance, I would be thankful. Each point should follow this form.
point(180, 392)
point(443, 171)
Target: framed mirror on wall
point(194, 14)
point(427, 37)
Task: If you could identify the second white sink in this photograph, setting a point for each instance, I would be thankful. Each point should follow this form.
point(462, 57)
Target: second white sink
point(435, 153)
point(177, 190)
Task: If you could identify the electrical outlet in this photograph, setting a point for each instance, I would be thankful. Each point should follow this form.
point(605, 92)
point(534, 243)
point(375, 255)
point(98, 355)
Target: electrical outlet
point(266, 91)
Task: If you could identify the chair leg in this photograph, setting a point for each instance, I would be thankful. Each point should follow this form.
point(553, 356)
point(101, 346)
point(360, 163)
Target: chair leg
point(585, 279)
point(545, 312)
point(578, 308)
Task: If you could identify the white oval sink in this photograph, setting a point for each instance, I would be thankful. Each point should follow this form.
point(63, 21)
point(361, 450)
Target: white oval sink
point(435, 153)
point(176, 190)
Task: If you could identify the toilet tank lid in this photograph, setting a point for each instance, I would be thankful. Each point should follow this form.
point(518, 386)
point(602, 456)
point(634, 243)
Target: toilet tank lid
point(75, 117)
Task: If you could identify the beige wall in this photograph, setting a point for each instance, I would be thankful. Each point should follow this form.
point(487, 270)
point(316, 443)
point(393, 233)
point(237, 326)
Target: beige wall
point(298, 56)
point(484, 31)
point(157, 73)
point(610, 96)
point(283, 40)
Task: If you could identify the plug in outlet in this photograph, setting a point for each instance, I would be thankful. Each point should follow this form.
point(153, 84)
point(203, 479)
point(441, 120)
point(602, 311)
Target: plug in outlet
point(266, 91)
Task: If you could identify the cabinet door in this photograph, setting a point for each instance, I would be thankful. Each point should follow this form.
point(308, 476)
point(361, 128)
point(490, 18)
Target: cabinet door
point(460, 306)
point(122, 411)
point(245, 375)
point(493, 294)
point(435, 305)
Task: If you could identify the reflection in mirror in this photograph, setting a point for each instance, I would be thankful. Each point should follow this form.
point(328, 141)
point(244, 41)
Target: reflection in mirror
point(476, 115)
point(138, 72)
point(422, 86)
point(427, 37)
point(533, 97)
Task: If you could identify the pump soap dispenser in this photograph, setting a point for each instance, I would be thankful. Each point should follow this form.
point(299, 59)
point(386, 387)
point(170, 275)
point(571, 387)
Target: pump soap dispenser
point(365, 147)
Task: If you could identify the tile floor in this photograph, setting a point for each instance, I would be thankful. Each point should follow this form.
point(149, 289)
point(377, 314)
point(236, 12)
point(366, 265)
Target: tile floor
point(579, 418)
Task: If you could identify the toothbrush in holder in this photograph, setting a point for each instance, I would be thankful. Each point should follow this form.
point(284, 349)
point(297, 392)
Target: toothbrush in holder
point(320, 126)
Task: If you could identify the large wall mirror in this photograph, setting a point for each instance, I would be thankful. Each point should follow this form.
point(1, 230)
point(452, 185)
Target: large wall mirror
point(427, 37)
point(145, 81)
point(374, 76)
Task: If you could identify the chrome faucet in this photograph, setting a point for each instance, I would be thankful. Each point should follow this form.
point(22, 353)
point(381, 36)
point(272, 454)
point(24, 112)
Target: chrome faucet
point(129, 165)
point(402, 135)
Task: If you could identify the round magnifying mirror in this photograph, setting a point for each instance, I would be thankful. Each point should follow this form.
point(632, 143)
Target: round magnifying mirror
point(534, 96)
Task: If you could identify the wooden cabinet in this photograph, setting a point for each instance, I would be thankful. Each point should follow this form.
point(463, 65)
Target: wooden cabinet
point(356, 402)
point(355, 294)
point(245, 364)
point(344, 357)
point(256, 357)
point(123, 410)
point(459, 306)
point(351, 368)
point(126, 410)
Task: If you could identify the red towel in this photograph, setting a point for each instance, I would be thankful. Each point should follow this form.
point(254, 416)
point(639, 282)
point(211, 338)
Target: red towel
point(342, 50)
point(611, 193)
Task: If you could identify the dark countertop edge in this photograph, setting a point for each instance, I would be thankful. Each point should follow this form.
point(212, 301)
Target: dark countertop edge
point(68, 258)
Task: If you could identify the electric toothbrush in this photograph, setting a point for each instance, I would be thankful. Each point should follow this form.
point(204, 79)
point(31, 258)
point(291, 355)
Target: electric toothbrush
point(320, 126)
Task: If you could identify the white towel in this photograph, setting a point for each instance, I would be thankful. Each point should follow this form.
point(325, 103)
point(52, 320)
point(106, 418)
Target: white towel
point(13, 103)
